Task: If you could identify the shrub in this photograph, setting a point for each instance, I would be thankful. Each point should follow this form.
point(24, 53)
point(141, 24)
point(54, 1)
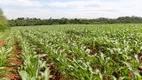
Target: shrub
point(3, 21)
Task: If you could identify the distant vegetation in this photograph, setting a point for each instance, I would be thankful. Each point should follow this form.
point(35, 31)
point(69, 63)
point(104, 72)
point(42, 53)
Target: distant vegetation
point(38, 21)
point(3, 21)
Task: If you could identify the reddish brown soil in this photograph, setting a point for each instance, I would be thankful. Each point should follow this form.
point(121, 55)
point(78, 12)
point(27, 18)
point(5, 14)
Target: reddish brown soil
point(56, 75)
point(14, 62)
point(2, 43)
point(13, 77)
point(38, 51)
point(131, 75)
point(92, 51)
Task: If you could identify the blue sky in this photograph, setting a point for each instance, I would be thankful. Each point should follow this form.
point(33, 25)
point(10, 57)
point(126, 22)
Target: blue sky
point(71, 8)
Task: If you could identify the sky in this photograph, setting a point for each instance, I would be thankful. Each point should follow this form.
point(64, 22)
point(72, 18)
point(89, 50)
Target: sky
point(71, 8)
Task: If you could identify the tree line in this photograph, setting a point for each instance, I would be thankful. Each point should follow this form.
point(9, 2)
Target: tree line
point(3, 21)
point(37, 21)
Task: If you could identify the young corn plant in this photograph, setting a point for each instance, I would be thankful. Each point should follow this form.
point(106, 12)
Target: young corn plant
point(4, 58)
point(32, 67)
point(86, 52)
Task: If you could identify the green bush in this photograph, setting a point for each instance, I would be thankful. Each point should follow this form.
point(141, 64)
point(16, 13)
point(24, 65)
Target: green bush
point(3, 21)
point(3, 26)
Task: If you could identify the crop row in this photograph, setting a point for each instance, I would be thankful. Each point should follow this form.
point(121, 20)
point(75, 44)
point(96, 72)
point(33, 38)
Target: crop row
point(80, 52)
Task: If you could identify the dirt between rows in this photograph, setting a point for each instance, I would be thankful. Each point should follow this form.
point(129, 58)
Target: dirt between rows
point(2, 43)
point(13, 63)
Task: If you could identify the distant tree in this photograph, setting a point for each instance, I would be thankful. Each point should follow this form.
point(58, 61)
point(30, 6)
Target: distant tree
point(3, 21)
point(64, 21)
point(37, 21)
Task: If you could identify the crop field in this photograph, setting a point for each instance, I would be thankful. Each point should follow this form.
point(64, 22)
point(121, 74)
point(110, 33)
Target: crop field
point(72, 52)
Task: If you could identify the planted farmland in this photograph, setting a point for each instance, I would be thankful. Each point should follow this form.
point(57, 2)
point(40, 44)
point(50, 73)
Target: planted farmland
point(72, 52)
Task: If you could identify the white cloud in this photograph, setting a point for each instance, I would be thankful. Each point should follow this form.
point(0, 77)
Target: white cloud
point(95, 4)
point(24, 3)
point(74, 4)
point(39, 13)
point(77, 9)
